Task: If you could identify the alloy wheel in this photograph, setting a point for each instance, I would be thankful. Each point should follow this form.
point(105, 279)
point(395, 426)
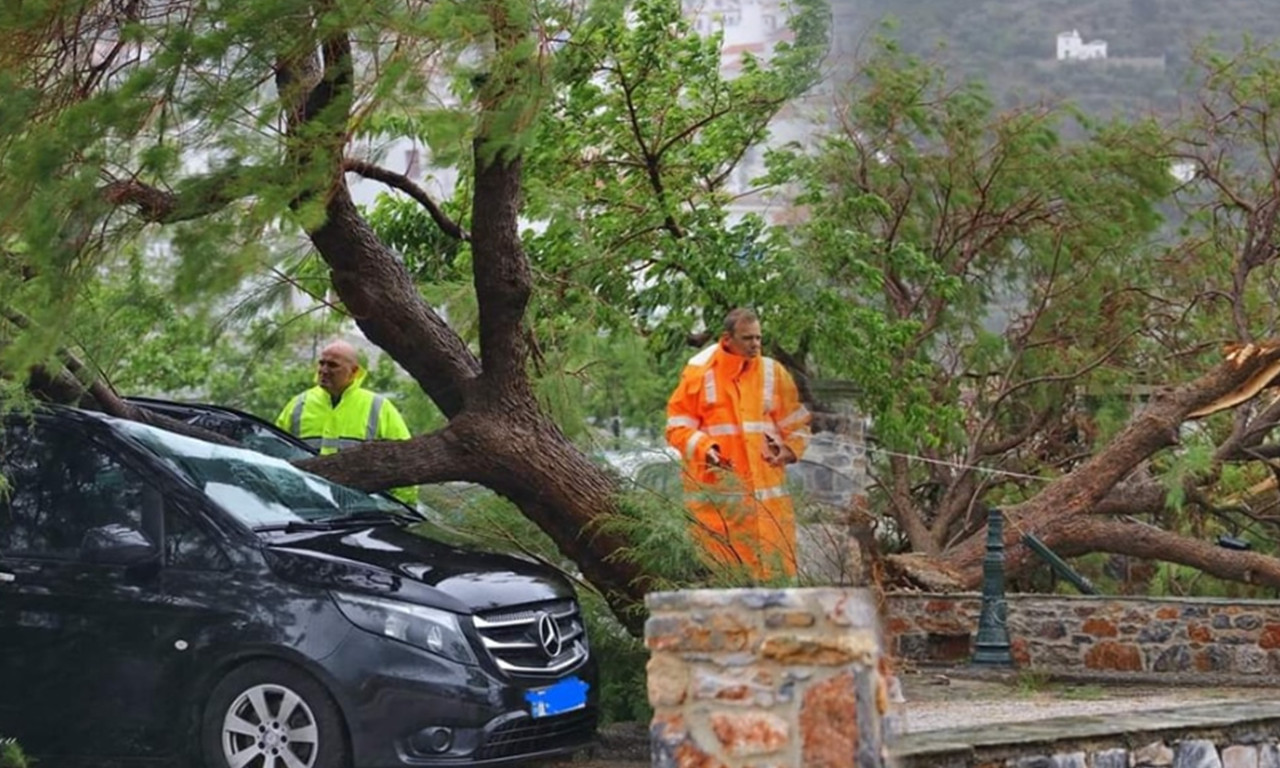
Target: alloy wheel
point(270, 726)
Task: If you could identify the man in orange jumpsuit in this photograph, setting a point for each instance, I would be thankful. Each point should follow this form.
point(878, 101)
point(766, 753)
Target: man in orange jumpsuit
point(737, 419)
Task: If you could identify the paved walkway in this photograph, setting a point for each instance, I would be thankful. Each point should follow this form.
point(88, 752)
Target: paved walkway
point(937, 701)
point(941, 700)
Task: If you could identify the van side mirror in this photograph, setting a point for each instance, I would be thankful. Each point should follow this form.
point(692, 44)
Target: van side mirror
point(116, 544)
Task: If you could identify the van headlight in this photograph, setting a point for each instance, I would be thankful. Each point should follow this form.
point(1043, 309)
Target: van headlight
point(427, 628)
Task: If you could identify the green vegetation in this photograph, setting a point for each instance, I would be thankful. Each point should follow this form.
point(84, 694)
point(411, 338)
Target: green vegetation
point(1031, 682)
point(11, 755)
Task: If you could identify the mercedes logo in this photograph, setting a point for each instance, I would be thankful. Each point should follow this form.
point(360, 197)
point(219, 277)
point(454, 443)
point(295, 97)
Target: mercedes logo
point(549, 636)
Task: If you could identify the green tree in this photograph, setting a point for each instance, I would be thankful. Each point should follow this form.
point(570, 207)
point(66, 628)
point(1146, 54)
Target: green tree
point(1051, 310)
point(224, 133)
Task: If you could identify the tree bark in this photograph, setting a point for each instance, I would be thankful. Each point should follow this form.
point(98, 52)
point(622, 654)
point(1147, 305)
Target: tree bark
point(1063, 515)
point(1082, 535)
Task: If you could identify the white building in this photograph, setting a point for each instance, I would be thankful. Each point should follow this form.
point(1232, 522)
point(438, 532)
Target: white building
point(1072, 48)
point(754, 28)
point(748, 28)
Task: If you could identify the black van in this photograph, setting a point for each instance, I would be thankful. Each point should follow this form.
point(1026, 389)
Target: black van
point(166, 597)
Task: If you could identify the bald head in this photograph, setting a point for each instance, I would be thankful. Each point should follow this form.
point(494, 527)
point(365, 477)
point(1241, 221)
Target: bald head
point(337, 367)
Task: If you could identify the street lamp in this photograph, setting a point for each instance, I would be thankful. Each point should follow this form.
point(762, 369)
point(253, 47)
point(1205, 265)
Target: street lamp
point(992, 646)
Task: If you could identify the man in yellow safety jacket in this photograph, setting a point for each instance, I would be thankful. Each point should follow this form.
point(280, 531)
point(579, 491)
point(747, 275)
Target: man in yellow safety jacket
point(338, 413)
point(737, 419)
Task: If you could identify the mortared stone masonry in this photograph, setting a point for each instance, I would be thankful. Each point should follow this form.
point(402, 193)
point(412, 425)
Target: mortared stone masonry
point(1076, 634)
point(766, 678)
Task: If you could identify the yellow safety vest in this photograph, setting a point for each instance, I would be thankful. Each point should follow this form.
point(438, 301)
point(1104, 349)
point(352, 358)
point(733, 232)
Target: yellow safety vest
point(359, 416)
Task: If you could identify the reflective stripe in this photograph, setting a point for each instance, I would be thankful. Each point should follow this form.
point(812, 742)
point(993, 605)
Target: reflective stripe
point(713, 496)
point(691, 445)
point(797, 415)
point(682, 421)
point(371, 429)
point(314, 442)
point(761, 495)
point(709, 385)
point(769, 366)
point(723, 429)
point(756, 427)
point(703, 357)
point(295, 419)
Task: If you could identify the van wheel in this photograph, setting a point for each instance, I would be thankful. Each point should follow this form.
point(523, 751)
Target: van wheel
point(268, 714)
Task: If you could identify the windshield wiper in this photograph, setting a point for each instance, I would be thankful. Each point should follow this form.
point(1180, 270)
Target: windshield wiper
point(368, 516)
point(293, 526)
point(365, 517)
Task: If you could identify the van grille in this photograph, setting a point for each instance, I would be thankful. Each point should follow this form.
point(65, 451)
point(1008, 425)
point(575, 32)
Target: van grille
point(540, 640)
point(526, 736)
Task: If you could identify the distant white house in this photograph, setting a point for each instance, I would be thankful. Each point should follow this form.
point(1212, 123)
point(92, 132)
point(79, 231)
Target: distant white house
point(1184, 170)
point(1072, 48)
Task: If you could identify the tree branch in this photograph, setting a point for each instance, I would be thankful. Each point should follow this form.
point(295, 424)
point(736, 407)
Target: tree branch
point(1053, 511)
point(405, 184)
point(67, 385)
point(502, 277)
point(383, 464)
point(1092, 534)
point(375, 287)
point(193, 199)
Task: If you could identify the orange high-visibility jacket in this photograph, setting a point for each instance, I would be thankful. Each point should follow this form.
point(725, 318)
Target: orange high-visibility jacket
point(742, 516)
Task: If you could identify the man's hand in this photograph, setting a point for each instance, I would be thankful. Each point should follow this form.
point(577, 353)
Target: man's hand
point(777, 454)
point(714, 459)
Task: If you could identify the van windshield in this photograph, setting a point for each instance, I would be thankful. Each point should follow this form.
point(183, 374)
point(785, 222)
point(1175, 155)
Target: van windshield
point(257, 489)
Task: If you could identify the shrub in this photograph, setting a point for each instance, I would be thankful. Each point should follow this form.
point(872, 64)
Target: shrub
point(623, 691)
point(11, 755)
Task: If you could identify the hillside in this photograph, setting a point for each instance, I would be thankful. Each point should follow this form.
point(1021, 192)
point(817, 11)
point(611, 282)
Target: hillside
point(1010, 44)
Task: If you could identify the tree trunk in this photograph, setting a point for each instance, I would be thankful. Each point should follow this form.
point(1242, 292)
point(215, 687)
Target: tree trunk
point(498, 435)
point(1063, 514)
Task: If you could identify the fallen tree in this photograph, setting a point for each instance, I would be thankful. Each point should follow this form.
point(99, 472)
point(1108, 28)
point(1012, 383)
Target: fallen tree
point(195, 122)
point(1061, 309)
point(1069, 514)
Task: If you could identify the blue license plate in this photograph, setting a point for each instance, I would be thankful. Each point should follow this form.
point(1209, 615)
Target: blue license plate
point(565, 696)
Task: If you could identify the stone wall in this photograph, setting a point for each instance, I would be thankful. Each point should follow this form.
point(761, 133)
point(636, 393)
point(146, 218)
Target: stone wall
point(764, 678)
point(828, 480)
point(1239, 735)
point(1230, 638)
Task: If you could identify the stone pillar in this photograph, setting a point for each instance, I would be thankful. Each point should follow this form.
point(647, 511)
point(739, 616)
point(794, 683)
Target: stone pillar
point(830, 483)
point(766, 678)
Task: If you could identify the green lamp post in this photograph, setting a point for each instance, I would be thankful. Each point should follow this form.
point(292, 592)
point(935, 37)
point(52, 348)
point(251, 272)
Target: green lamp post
point(992, 646)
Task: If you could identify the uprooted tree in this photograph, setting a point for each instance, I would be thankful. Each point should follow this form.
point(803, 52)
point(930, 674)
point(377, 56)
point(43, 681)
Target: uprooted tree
point(1075, 313)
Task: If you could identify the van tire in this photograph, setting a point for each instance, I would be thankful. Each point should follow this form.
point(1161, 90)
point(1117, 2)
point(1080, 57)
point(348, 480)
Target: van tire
point(270, 706)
